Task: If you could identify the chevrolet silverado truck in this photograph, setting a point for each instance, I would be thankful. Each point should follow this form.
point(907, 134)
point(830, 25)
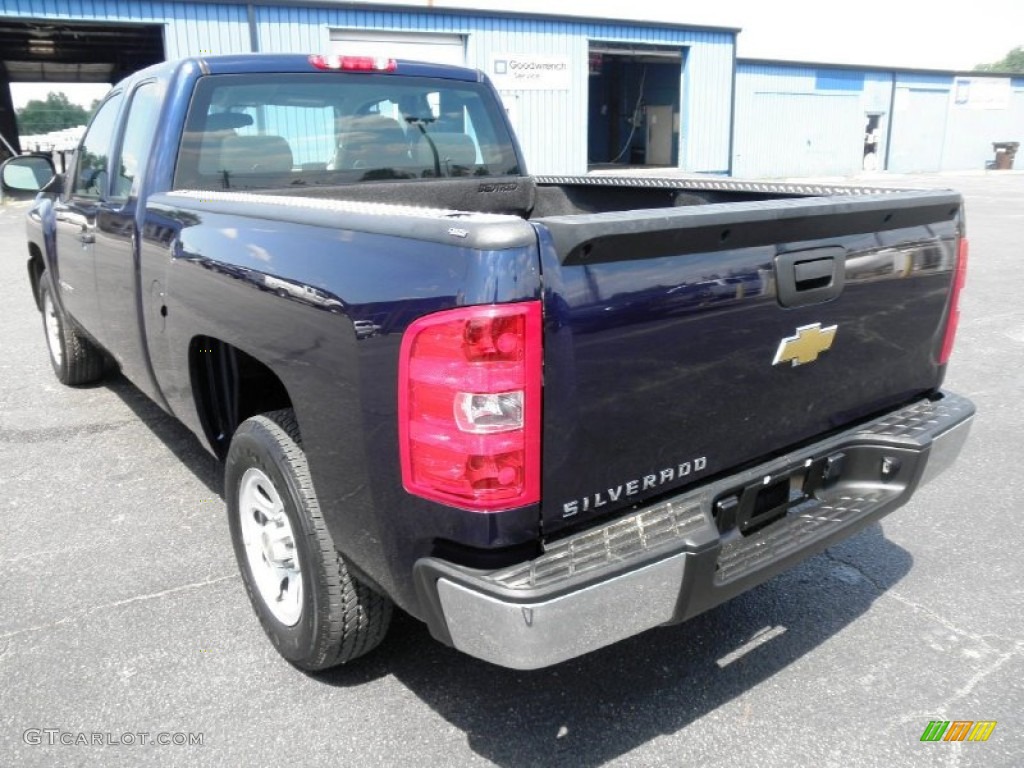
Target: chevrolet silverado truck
point(540, 414)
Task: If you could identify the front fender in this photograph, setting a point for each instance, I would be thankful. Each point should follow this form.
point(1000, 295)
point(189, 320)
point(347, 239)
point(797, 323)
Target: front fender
point(40, 230)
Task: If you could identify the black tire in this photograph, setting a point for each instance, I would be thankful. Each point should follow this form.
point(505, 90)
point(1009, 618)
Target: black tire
point(75, 359)
point(341, 618)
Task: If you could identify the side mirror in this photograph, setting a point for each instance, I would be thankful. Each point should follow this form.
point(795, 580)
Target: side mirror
point(23, 177)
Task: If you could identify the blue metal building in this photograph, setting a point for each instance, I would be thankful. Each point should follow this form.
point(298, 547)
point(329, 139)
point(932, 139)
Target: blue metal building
point(797, 119)
point(580, 92)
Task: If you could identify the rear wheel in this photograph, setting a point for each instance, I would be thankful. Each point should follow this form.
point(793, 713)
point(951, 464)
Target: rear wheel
point(74, 358)
point(313, 609)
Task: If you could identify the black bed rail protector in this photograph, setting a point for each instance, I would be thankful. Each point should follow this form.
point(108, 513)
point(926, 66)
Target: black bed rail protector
point(798, 188)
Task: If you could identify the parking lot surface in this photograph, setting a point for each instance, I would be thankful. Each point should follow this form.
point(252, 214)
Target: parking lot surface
point(122, 615)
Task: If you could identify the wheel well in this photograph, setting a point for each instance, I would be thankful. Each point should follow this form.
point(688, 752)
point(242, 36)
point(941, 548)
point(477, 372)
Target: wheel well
point(35, 270)
point(229, 386)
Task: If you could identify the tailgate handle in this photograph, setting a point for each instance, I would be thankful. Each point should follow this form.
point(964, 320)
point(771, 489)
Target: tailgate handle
point(814, 274)
point(810, 277)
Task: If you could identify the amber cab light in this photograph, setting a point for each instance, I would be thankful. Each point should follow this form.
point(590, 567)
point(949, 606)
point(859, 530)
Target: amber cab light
point(469, 406)
point(953, 320)
point(353, 63)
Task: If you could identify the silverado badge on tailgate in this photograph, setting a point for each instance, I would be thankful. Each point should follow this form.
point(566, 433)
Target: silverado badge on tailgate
point(809, 342)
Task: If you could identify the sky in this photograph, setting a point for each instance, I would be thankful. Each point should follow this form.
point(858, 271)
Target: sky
point(890, 33)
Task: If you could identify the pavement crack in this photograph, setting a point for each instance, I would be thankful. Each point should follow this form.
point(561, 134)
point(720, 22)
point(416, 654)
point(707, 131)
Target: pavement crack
point(883, 591)
point(47, 553)
point(879, 588)
point(58, 433)
point(976, 678)
point(116, 604)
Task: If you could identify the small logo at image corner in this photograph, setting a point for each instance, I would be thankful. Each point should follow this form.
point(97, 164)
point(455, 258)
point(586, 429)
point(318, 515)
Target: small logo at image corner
point(958, 730)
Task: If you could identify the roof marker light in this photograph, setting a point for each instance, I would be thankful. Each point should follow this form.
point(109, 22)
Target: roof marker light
point(353, 63)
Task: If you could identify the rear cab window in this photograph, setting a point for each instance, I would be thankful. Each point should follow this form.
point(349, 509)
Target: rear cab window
point(286, 131)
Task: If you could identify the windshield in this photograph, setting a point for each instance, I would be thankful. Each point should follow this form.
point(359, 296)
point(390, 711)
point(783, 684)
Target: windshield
point(288, 130)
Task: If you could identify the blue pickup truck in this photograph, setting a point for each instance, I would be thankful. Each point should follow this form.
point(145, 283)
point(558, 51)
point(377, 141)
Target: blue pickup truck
point(539, 414)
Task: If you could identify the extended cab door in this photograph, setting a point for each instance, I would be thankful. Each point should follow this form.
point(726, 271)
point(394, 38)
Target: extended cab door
point(121, 330)
point(75, 213)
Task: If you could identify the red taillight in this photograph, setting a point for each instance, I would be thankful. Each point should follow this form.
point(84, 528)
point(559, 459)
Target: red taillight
point(469, 406)
point(953, 320)
point(354, 63)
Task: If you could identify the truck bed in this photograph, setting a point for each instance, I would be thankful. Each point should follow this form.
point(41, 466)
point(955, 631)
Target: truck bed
point(665, 302)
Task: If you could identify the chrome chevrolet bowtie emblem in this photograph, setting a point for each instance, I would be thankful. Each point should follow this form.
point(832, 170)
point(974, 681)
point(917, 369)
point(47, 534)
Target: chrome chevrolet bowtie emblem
point(809, 342)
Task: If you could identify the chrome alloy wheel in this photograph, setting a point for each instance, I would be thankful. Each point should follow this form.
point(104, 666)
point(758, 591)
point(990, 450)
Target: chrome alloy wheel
point(270, 547)
point(52, 322)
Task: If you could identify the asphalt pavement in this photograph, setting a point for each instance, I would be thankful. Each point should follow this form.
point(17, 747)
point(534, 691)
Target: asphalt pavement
point(123, 620)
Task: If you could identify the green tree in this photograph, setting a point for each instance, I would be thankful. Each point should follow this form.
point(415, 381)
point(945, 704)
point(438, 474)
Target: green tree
point(1011, 62)
point(53, 114)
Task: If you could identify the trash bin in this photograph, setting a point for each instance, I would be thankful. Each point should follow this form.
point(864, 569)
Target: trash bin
point(1005, 152)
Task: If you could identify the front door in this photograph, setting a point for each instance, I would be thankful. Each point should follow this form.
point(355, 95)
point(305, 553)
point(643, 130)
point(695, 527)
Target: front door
point(75, 213)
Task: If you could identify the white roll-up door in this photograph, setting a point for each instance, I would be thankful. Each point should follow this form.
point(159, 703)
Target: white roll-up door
point(437, 49)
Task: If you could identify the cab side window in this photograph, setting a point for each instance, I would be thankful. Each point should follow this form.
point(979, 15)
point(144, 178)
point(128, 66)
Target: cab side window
point(137, 142)
point(91, 166)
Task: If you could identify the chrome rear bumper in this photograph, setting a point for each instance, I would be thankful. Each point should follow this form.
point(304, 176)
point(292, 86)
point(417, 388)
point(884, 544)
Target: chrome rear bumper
point(670, 561)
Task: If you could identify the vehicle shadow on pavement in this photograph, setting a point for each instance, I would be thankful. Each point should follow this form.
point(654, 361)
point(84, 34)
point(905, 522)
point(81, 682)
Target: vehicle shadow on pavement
point(599, 707)
point(606, 704)
point(171, 432)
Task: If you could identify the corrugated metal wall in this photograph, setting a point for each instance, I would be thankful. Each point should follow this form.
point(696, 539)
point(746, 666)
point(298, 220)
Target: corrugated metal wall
point(799, 121)
point(706, 104)
point(790, 119)
point(935, 130)
point(189, 28)
point(919, 123)
point(803, 120)
point(970, 132)
point(552, 125)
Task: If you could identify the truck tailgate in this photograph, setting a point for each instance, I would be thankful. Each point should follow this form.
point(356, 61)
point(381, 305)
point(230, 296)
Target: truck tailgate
point(683, 343)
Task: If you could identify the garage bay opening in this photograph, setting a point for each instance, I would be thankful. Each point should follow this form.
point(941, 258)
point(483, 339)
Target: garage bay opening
point(634, 99)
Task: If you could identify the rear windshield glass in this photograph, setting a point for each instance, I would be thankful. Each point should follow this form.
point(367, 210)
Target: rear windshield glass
point(286, 131)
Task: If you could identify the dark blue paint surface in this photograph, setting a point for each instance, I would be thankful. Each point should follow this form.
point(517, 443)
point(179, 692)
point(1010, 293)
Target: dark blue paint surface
point(660, 330)
point(663, 367)
point(325, 310)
